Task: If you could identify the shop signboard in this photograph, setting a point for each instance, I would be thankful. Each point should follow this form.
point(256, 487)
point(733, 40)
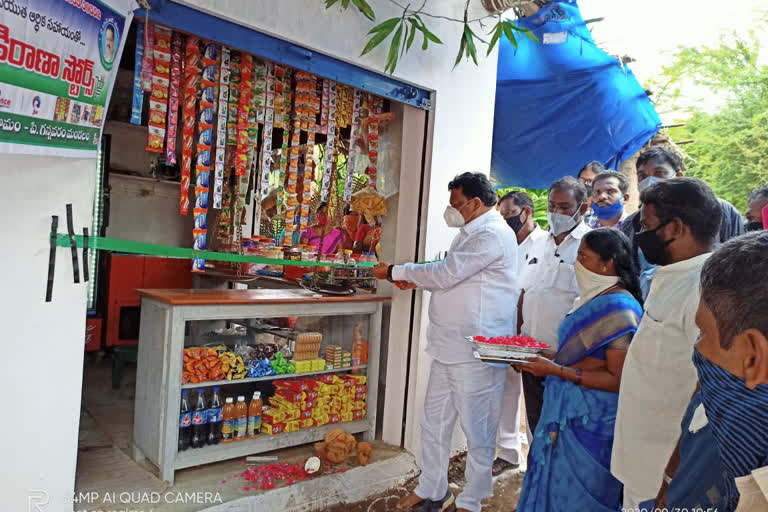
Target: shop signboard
point(58, 59)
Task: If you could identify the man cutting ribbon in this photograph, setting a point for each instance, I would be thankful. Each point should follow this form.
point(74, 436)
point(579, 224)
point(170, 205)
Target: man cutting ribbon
point(474, 291)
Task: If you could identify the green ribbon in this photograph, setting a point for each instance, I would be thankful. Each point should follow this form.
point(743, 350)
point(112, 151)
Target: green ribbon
point(129, 246)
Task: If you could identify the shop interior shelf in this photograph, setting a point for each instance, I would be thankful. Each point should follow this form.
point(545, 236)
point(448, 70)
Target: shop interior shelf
point(264, 443)
point(193, 385)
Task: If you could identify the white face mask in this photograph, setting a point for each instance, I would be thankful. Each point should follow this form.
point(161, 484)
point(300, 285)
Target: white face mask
point(591, 284)
point(559, 223)
point(453, 217)
point(647, 182)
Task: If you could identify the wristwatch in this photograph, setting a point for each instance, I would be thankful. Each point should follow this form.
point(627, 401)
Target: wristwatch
point(389, 273)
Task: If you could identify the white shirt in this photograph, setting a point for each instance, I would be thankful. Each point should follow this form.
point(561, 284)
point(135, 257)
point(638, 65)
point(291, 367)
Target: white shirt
point(753, 490)
point(527, 245)
point(550, 284)
point(658, 378)
point(474, 290)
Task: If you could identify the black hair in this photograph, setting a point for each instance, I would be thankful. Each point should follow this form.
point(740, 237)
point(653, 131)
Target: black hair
point(110, 27)
point(758, 194)
point(320, 206)
point(572, 184)
point(474, 184)
point(660, 155)
point(612, 244)
point(731, 286)
point(689, 199)
point(604, 175)
point(596, 167)
point(520, 199)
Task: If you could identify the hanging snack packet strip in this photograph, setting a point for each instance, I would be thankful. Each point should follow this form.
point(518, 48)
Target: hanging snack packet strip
point(158, 100)
point(329, 112)
point(138, 92)
point(293, 173)
point(352, 151)
point(221, 128)
point(173, 101)
point(147, 64)
point(344, 100)
point(373, 150)
point(269, 118)
point(324, 106)
point(279, 96)
point(234, 98)
point(244, 104)
point(188, 108)
point(205, 136)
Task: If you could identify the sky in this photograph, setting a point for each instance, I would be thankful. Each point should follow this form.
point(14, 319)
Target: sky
point(651, 30)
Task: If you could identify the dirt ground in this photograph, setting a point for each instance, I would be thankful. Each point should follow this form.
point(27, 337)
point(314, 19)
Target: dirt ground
point(506, 491)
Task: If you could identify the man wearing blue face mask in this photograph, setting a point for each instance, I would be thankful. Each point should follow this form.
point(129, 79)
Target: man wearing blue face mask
point(731, 359)
point(730, 410)
point(657, 164)
point(610, 192)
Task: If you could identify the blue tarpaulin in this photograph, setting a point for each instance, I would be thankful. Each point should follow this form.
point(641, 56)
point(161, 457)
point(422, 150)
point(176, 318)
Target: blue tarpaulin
point(563, 102)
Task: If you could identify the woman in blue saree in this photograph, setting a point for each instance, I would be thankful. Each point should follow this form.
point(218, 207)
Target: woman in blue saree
point(569, 460)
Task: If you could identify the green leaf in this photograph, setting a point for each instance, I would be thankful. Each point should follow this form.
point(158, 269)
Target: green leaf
point(525, 31)
point(393, 48)
point(365, 9)
point(462, 47)
point(330, 3)
point(412, 34)
point(509, 34)
point(345, 3)
point(402, 47)
point(388, 25)
point(378, 37)
point(494, 39)
point(432, 37)
point(468, 34)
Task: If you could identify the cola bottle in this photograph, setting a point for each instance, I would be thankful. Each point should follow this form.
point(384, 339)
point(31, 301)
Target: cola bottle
point(199, 418)
point(214, 417)
point(185, 421)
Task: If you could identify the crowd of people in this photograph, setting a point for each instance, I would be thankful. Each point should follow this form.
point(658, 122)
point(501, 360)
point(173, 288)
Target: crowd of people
point(654, 394)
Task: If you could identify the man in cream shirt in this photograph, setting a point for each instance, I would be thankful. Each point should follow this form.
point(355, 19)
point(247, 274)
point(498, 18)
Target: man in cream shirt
point(549, 281)
point(474, 292)
point(680, 219)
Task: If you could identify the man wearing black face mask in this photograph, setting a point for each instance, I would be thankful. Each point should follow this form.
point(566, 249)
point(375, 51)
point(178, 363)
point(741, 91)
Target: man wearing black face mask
point(517, 209)
point(756, 203)
point(680, 220)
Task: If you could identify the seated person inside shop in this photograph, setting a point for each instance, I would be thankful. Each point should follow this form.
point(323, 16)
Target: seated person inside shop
point(353, 221)
point(322, 234)
point(368, 237)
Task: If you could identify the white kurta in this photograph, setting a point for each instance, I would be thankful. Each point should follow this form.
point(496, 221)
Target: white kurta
point(474, 292)
point(658, 379)
point(753, 490)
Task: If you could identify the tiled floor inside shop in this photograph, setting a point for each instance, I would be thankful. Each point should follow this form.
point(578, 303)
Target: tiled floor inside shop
point(107, 475)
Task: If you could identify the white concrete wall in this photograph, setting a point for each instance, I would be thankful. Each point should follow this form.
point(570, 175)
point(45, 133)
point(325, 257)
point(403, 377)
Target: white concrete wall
point(42, 365)
point(462, 118)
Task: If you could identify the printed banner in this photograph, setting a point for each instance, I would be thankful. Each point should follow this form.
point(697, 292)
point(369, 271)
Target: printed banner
point(58, 59)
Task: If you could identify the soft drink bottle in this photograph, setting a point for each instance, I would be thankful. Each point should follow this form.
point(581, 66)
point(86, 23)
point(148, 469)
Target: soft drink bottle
point(214, 418)
point(254, 416)
point(228, 421)
point(185, 420)
point(241, 418)
point(199, 418)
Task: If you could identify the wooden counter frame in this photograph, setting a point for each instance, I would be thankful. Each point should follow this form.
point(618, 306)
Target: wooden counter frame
point(158, 378)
